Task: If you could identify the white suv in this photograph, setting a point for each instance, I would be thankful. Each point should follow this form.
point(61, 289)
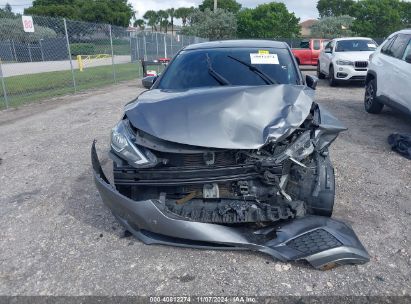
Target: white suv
point(389, 76)
point(345, 59)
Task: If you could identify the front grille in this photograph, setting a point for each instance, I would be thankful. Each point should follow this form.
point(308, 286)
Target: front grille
point(314, 241)
point(361, 64)
point(223, 158)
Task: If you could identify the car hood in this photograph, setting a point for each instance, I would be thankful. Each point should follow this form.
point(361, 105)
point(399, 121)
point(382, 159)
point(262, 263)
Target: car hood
point(354, 56)
point(236, 117)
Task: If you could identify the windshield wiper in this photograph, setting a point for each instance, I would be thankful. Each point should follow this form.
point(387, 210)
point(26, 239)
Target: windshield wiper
point(267, 79)
point(221, 80)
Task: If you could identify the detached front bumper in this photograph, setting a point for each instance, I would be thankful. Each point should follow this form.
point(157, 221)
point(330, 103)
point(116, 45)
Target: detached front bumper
point(323, 242)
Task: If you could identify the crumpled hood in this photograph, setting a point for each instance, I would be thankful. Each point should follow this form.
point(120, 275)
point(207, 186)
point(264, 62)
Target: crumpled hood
point(237, 117)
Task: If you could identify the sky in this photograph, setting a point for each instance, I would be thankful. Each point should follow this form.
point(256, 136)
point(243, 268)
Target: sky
point(304, 9)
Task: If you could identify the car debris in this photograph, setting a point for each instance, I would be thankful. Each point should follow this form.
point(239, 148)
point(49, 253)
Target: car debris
point(400, 143)
point(229, 165)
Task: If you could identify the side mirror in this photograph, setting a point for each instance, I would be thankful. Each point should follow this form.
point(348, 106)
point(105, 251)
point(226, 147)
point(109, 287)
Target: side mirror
point(149, 81)
point(408, 58)
point(328, 50)
point(311, 81)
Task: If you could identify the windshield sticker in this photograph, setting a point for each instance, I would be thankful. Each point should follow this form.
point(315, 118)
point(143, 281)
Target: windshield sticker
point(371, 45)
point(263, 52)
point(264, 58)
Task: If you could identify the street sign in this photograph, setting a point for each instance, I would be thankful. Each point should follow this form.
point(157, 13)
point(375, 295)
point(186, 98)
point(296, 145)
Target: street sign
point(28, 25)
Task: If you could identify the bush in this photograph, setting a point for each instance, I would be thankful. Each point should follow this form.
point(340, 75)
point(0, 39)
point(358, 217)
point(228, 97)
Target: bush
point(82, 49)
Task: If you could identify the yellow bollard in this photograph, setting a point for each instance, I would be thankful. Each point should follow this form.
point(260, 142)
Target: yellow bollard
point(80, 63)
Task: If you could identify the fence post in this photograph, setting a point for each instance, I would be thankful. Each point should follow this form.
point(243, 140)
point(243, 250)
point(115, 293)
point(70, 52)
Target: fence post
point(157, 44)
point(145, 46)
point(14, 50)
point(28, 48)
point(3, 84)
point(112, 55)
point(165, 46)
point(171, 45)
point(41, 49)
point(69, 54)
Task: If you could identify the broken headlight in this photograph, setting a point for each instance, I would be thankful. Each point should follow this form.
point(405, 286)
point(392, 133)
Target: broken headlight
point(122, 143)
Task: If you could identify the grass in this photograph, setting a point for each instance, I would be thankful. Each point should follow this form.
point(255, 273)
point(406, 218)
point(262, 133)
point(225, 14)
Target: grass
point(30, 88)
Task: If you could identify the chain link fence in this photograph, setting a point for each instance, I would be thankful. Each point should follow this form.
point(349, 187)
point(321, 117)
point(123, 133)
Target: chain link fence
point(64, 56)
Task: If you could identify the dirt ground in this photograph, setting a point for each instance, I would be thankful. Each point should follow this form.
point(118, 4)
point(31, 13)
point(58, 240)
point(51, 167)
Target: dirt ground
point(57, 238)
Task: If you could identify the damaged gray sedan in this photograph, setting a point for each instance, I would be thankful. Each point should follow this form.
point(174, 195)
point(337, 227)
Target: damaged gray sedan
point(228, 150)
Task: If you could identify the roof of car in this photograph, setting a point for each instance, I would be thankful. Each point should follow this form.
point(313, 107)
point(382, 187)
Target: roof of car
point(237, 44)
point(404, 31)
point(352, 38)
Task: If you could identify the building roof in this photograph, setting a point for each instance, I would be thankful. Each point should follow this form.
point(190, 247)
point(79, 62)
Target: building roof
point(308, 23)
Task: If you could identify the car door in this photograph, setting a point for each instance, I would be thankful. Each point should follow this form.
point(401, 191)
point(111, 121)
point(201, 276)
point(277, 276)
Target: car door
point(315, 51)
point(326, 57)
point(384, 70)
point(396, 80)
point(404, 67)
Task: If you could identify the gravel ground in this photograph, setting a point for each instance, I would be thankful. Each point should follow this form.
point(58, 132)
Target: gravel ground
point(57, 238)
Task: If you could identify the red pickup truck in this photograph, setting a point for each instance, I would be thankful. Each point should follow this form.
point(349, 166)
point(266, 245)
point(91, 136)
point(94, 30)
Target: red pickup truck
point(309, 51)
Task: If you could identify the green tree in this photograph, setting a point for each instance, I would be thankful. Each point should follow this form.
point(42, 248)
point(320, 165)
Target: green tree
point(172, 14)
point(379, 18)
point(230, 5)
point(115, 12)
point(13, 29)
point(6, 12)
point(333, 27)
point(271, 20)
point(140, 23)
point(334, 8)
point(220, 24)
point(184, 13)
point(152, 19)
point(163, 20)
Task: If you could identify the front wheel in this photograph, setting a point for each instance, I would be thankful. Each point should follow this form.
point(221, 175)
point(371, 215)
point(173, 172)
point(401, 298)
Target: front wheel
point(371, 103)
point(331, 77)
point(320, 75)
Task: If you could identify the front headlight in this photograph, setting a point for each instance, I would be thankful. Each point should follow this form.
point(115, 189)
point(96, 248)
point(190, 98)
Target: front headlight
point(344, 62)
point(122, 144)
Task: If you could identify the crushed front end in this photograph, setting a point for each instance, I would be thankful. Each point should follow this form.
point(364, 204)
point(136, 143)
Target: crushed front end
point(276, 199)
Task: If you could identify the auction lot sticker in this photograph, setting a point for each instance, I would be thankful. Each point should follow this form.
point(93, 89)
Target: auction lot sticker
point(264, 58)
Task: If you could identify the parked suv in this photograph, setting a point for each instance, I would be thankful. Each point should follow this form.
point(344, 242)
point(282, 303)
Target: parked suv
point(345, 59)
point(389, 76)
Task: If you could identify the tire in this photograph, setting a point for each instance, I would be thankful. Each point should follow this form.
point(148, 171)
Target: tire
point(331, 79)
point(371, 103)
point(320, 75)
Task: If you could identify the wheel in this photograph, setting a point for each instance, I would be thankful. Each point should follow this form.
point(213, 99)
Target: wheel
point(371, 103)
point(331, 78)
point(320, 75)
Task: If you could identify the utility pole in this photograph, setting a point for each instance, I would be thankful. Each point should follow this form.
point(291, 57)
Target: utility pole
point(215, 5)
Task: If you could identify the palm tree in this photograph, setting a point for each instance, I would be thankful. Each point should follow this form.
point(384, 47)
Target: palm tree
point(163, 19)
point(183, 13)
point(152, 19)
point(171, 13)
point(140, 23)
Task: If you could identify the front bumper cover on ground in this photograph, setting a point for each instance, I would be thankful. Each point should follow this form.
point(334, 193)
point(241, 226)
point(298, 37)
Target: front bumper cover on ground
point(322, 241)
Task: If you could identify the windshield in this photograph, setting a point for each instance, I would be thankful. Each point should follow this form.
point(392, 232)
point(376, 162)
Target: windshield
point(236, 66)
point(356, 45)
